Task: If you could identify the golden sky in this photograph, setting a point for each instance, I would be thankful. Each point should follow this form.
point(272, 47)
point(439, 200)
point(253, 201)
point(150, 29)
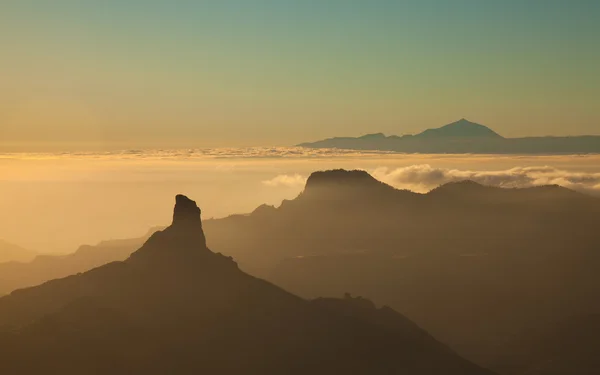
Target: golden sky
point(83, 75)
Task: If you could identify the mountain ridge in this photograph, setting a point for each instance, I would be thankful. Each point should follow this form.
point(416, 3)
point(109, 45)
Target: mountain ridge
point(462, 136)
point(10, 252)
point(346, 186)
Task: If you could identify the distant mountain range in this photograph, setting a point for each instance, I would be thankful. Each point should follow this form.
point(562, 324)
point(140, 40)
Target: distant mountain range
point(463, 136)
point(13, 253)
point(175, 307)
point(32, 269)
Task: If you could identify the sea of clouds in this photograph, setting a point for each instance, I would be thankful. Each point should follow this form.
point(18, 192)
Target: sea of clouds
point(209, 153)
point(423, 178)
point(416, 172)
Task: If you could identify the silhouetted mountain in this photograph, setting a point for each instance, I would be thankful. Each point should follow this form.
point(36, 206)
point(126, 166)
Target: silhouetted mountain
point(470, 263)
point(566, 347)
point(13, 253)
point(175, 307)
point(549, 197)
point(343, 185)
point(463, 136)
point(460, 129)
point(16, 275)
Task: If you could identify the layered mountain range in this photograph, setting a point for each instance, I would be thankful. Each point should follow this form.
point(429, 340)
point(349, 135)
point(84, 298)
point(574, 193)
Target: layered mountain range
point(36, 269)
point(479, 267)
point(463, 136)
point(176, 307)
point(13, 253)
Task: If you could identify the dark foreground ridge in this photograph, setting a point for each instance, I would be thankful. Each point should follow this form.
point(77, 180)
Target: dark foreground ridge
point(176, 307)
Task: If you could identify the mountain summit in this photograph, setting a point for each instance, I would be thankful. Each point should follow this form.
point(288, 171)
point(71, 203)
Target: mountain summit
point(183, 241)
point(340, 178)
point(175, 307)
point(462, 128)
point(326, 187)
point(186, 211)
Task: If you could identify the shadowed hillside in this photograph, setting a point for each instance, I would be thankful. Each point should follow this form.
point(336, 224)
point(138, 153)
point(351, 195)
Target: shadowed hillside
point(16, 275)
point(470, 263)
point(569, 346)
point(176, 307)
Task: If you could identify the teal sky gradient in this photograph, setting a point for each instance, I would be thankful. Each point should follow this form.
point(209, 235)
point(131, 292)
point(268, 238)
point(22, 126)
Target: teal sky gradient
point(121, 74)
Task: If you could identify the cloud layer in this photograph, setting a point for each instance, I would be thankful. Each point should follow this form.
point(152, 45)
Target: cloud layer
point(208, 153)
point(424, 177)
point(284, 180)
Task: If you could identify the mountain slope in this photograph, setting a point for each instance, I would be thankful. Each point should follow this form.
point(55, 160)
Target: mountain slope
point(176, 307)
point(565, 347)
point(15, 275)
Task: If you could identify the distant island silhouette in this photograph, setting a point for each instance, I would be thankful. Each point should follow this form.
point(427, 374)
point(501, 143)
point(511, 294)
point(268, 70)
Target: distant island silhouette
point(463, 136)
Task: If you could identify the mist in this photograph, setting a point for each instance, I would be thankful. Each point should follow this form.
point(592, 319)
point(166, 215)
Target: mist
point(102, 196)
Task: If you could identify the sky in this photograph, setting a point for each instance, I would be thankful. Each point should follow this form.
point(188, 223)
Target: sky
point(122, 74)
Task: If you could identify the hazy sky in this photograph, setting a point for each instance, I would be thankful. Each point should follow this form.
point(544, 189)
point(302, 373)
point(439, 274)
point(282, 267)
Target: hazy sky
point(79, 74)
